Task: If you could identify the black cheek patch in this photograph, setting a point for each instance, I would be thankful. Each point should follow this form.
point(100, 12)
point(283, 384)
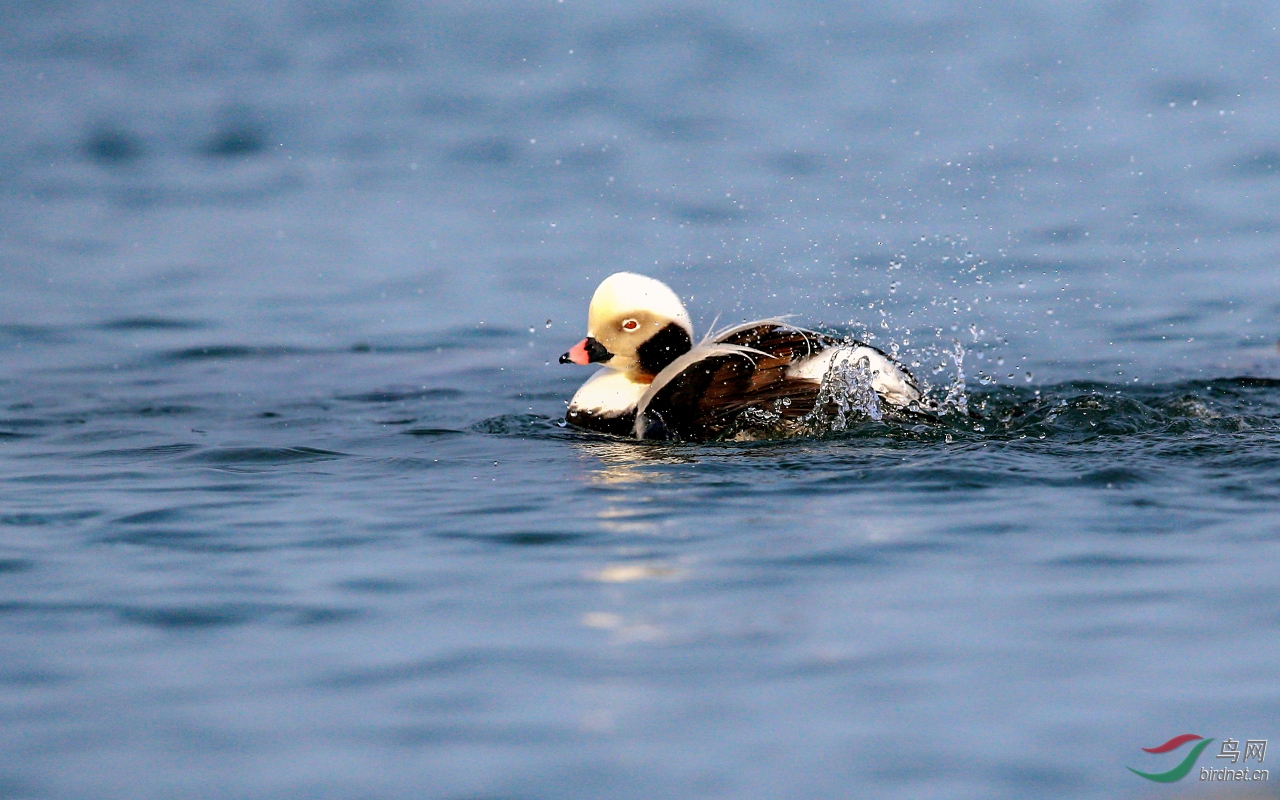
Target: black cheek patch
point(663, 347)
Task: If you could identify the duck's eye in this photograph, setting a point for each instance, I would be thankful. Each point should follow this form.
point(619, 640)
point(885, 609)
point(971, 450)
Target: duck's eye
point(630, 325)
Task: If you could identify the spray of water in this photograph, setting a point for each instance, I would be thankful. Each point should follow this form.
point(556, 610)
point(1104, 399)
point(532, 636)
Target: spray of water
point(957, 397)
point(846, 395)
point(957, 351)
point(847, 398)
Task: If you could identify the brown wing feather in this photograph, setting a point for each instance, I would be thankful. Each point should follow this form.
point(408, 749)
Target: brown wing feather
point(704, 400)
point(781, 340)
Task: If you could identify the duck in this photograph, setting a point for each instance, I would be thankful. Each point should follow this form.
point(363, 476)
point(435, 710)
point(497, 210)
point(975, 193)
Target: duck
point(654, 382)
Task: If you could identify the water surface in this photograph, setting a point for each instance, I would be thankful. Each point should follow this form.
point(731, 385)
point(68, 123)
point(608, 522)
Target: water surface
point(285, 510)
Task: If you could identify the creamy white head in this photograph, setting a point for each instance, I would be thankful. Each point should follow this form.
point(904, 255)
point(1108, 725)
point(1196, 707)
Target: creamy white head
point(622, 292)
point(636, 325)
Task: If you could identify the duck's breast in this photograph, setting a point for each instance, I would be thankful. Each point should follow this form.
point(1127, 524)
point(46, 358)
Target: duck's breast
point(606, 403)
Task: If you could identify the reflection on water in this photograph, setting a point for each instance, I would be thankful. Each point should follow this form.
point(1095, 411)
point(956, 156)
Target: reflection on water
point(624, 462)
point(624, 630)
point(636, 571)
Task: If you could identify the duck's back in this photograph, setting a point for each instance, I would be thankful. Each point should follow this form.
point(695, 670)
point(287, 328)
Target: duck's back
point(768, 366)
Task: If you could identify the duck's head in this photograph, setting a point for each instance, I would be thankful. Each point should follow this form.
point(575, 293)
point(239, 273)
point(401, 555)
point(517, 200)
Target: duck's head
point(636, 325)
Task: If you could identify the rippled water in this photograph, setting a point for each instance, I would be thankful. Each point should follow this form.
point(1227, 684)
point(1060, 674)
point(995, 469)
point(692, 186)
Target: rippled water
point(285, 510)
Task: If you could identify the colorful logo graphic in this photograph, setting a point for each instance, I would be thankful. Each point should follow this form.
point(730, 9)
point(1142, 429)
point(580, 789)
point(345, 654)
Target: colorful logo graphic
point(1255, 749)
point(1179, 772)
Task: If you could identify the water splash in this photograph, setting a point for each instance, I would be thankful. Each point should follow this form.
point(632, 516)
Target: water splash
point(846, 398)
point(846, 395)
point(957, 397)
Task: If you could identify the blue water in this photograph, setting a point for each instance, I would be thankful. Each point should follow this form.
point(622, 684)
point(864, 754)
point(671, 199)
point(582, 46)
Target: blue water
point(285, 511)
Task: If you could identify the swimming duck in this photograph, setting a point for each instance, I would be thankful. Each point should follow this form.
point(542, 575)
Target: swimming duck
point(656, 384)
